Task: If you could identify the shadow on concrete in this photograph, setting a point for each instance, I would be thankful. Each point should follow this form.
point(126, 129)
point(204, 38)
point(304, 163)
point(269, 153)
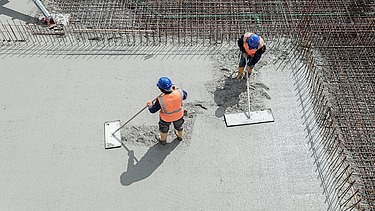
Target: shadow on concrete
point(153, 158)
point(44, 46)
point(14, 14)
point(228, 95)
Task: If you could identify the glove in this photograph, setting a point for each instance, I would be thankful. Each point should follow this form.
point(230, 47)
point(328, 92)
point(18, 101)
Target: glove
point(149, 103)
point(174, 87)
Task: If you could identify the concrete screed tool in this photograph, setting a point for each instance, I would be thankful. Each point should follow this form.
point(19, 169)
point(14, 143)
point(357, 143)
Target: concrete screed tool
point(112, 136)
point(249, 117)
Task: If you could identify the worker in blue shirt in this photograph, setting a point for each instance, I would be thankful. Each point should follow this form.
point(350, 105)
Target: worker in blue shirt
point(171, 111)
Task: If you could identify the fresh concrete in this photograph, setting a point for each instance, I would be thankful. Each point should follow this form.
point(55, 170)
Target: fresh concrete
point(52, 155)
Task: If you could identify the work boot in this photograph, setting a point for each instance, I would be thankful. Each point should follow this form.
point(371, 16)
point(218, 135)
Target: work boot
point(239, 72)
point(179, 134)
point(247, 74)
point(162, 138)
point(249, 70)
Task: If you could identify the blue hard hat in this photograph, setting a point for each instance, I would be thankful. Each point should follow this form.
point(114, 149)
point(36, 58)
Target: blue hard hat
point(164, 83)
point(253, 41)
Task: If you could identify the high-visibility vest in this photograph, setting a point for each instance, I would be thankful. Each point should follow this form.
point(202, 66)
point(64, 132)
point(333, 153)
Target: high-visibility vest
point(171, 106)
point(249, 51)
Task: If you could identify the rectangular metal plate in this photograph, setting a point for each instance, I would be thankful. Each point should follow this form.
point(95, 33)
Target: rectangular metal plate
point(112, 140)
point(243, 118)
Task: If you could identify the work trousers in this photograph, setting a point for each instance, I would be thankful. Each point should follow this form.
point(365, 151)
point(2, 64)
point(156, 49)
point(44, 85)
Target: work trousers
point(164, 126)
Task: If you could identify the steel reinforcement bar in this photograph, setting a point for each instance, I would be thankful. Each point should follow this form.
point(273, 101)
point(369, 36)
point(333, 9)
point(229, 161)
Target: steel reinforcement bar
point(183, 22)
point(344, 101)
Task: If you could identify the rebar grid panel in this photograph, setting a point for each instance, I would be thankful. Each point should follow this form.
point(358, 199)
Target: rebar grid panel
point(331, 157)
point(183, 22)
point(346, 41)
point(179, 22)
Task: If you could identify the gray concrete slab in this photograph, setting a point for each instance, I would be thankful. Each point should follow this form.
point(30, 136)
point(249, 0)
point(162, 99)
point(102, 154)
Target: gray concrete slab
point(52, 113)
point(53, 107)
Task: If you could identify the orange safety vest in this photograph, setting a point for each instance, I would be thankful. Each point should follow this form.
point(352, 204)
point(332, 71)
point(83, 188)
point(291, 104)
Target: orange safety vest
point(171, 106)
point(249, 51)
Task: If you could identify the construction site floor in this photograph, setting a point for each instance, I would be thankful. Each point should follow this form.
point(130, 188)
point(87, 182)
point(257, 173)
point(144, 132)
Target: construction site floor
point(52, 114)
point(53, 106)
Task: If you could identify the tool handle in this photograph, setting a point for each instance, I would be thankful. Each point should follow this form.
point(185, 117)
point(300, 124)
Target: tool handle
point(130, 119)
point(134, 116)
point(247, 85)
point(248, 91)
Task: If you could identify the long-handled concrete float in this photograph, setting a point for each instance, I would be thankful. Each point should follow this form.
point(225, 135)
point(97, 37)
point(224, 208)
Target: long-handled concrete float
point(249, 117)
point(112, 136)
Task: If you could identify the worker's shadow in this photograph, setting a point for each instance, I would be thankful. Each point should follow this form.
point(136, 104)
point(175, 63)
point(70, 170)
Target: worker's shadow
point(15, 14)
point(228, 94)
point(153, 158)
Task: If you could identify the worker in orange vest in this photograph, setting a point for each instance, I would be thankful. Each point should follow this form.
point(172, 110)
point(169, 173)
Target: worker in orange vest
point(170, 105)
point(252, 47)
